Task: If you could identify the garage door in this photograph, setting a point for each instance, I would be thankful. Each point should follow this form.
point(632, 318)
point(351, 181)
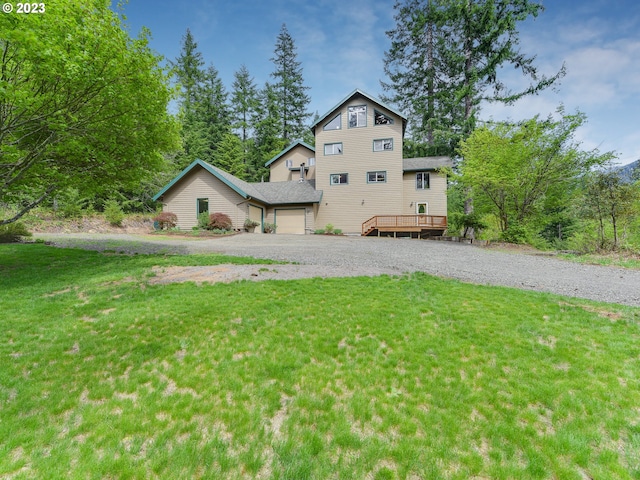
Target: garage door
point(290, 220)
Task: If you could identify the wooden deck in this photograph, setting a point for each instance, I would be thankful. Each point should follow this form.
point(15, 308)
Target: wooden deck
point(423, 225)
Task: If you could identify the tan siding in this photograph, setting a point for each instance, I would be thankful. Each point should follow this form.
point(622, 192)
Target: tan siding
point(181, 199)
point(279, 172)
point(435, 195)
point(347, 206)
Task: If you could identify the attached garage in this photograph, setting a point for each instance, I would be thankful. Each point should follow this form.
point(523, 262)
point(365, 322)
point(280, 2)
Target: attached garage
point(290, 220)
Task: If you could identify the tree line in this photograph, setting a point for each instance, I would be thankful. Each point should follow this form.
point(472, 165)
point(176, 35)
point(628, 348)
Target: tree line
point(240, 130)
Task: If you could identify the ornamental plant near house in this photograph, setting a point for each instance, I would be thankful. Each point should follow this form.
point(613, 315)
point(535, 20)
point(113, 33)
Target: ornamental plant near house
point(220, 221)
point(250, 225)
point(166, 220)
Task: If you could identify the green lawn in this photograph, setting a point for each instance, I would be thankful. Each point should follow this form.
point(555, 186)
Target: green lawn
point(105, 376)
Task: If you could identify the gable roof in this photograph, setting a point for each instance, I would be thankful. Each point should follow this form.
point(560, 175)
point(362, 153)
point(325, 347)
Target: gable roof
point(288, 149)
point(359, 92)
point(425, 163)
point(268, 193)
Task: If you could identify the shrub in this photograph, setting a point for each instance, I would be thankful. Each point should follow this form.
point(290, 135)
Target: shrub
point(328, 228)
point(113, 212)
point(203, 220)
point(270, 228)
point(219, 221)
point(320, 231)
point(166, 220)
point(13, 232)
point(337, 231)
point(248, 223)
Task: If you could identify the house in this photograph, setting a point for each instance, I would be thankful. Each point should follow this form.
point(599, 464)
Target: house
point(355, 179)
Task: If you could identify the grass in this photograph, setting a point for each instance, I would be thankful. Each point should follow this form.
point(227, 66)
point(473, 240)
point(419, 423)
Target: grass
point(106, 376)
point(614, 260)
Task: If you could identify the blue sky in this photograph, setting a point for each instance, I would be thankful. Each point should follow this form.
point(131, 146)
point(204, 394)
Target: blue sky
point(341, 44)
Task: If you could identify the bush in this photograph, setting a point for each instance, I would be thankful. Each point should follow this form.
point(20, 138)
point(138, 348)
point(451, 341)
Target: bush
point(203, 220)
point(13, 232)
point(337, 231)
point(270, 228)
point(166, 220)
point(219, 221)
point(328, 228)
point(320, 231)
point(113, 212)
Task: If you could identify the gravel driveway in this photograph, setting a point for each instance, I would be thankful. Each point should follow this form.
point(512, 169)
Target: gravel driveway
point(445, 259)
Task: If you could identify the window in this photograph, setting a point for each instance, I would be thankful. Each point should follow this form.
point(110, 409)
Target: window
point(358, 116)
point(382, 119)
point(422, 180)
point(339, 178)
point(288, 163)
point(382, 145)
point(334, 124)
point(333, 149)
point(311, 161)
point(376, 177)
point(203, 205)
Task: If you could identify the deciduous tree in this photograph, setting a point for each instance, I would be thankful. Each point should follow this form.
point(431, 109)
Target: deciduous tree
point(82, 104)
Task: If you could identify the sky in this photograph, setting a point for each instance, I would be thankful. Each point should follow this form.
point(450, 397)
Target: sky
point(341, 46)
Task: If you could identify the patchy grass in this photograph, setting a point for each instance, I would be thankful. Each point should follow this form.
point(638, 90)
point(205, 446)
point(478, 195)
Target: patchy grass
point(409, 377)
point(614, 260)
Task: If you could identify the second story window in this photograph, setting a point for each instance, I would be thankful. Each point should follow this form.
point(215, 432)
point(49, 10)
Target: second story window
point(333, 148)
point(357, 116)
point(382, 145)
point(382, 119)
point(422, 180)
point(311, 161)
point(339, 178)
point(376, 177)
point(288, 163)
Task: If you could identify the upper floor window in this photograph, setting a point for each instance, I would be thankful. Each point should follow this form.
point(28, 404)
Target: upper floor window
point(333, 148)
point(288, 163)
point(358, 116)
point(382, 119)
point(311, 161)
point(422, 180)
point(334, 124)
point(339, 178)
point(382, 145)
point(376, 177)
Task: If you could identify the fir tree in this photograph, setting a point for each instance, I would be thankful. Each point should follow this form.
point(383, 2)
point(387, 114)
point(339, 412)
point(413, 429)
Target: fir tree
point(292, 99)
point(244, 106)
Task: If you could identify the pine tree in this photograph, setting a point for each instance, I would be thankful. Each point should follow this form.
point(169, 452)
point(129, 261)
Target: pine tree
point(189, 72)
point(244, 106)
point(291, 96)
point(213, 114)
point(229, 155)
point(445, 58)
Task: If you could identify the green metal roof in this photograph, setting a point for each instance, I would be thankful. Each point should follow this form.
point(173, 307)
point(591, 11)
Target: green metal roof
point(365, 95)
point(288, 149)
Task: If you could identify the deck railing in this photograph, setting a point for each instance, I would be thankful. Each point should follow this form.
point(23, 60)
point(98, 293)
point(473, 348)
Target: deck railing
point(399, 222)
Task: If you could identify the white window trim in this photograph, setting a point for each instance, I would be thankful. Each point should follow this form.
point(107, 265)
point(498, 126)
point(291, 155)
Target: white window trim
point(376, 172)
point(331, 182)
point(382, 141)
point(333, 149)
point(429, 182)
point(357, 125)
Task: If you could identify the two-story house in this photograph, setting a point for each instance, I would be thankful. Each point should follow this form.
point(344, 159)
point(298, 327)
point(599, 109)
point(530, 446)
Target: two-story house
point(355, 179)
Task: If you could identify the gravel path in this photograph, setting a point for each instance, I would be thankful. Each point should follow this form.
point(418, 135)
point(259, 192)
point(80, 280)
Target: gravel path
point(463, 262)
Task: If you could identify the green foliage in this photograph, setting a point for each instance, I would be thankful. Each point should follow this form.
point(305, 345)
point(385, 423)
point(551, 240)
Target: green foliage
point(166, 220)
point(445, 58)
point(113, 212)
point(203, 220)
point(319, 231)
point(516, 172)
point(337, 231)
point(70, 203)
point(269, 227)
point(328, 228)
point(219, 221)
point(82, 104)
point(229, 156)
point(291, 98)
point(13, 232)
point(248, 223)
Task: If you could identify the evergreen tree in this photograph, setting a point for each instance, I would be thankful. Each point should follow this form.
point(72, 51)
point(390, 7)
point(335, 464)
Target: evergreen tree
point(229, 155)
point(444, 61)
point(292, 99)
point(212, 113)
point(267, 142)
point(244, 106)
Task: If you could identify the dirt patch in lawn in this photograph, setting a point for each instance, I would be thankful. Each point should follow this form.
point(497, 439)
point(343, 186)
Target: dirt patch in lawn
point(230, 273)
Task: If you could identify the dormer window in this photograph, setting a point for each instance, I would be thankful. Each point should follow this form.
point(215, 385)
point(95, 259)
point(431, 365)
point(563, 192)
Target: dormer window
point(334, 124)
point(357, 116)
